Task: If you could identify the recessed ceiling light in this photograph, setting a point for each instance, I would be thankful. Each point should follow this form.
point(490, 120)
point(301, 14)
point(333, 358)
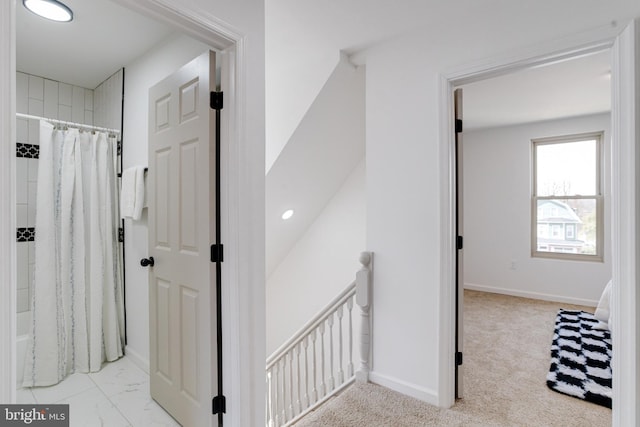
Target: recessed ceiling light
point(287, 214)
point(50, 9)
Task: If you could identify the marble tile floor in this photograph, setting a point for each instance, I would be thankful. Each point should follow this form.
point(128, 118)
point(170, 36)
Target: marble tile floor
point(116, 396)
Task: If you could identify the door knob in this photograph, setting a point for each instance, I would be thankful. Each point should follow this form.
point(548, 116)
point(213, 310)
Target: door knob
point(147, 262)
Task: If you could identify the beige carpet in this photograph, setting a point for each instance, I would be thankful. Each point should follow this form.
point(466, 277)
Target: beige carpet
point(507, 343)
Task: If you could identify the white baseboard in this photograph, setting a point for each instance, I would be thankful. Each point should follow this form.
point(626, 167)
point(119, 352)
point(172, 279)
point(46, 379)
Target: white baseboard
point(532, 295)
point(413, 390)
point(135, 357)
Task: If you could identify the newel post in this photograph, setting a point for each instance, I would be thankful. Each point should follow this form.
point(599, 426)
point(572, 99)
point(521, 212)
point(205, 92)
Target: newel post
point(363, 299)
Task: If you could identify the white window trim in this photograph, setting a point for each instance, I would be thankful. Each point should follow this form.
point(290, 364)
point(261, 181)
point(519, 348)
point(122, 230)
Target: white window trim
point(598, 197)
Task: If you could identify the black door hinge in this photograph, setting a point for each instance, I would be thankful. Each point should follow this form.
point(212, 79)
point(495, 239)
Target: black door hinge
point(219, 405)
point(215, 101)
point(119, 145)
point(458, 126)
point(217, 253)
point(459, 242)
point(120, 234)
point(458, 358)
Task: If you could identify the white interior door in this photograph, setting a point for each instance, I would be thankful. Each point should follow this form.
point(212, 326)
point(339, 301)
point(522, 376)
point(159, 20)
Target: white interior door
point(181, 181)
point(459, 243)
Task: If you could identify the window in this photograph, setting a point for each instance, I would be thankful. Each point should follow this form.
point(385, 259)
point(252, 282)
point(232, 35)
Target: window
point(567, 202)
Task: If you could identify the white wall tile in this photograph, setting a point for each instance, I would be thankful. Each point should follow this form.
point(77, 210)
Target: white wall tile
point(23, 300)
point(33, 169)
point(31, 204)
point(64, 94)
point(32, 256)
point(22, 264)
point(22, 130)
point(88, 117)
point(36, 87)
point(31, 271)
point(36, 107)
point(77, 107)
point(88, 99)
point(34, 132)
point(21, 215)
point(22, 93)
point(24, 326)
point(108, 102)
point(51, 91)
point(64, 112)
point(22, 175)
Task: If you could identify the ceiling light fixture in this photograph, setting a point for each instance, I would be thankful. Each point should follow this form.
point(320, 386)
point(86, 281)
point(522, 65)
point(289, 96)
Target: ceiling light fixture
point(287, 214)
point(49, 9)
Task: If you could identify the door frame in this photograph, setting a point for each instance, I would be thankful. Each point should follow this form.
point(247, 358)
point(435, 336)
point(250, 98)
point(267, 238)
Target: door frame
point(243, 303)
point(624, 210)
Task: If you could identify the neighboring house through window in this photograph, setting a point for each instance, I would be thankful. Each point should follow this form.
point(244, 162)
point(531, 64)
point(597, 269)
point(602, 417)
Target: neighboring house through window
point(567, 202)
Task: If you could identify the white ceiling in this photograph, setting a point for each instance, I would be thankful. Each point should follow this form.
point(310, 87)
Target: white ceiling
point(102, 38)
point(569, 88)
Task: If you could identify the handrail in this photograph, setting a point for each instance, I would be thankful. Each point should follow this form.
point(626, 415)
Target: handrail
point(349, 291)
point(317, 361)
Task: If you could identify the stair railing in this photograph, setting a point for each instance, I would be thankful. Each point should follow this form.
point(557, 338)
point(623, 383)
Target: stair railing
point(317, 362)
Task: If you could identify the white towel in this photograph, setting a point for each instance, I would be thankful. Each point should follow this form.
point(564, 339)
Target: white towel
point(132, 195)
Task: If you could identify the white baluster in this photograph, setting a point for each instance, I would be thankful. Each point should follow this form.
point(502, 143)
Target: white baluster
point(363, 299)
point(283, 395)
point(323, 388)
point(350, 341)
point(306, 372)
point(291, 384)
point(340, 350)
point(276, 400)
point(314, 375)
point(270, 421)
point(332, 383)
point(298, 378)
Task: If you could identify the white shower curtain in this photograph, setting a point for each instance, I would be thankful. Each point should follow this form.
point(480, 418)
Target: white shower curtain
point(77, 308)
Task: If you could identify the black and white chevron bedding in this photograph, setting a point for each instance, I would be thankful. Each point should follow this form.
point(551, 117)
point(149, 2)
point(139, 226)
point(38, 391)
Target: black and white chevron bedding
point(581, 358)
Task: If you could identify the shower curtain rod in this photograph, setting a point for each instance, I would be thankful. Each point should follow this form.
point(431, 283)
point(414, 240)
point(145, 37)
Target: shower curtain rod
point(72, 124)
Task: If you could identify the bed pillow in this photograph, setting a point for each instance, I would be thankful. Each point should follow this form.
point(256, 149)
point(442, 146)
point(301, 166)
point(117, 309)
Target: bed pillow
point(603, 311)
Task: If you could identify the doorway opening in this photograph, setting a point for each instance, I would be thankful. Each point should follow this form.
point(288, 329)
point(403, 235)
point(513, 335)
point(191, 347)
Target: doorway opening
point(622, 210)
point(502, 116)
point(218, 36)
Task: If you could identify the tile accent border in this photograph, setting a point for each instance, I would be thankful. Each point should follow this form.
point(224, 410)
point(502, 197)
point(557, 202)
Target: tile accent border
point(30, 151)
point(26, 234)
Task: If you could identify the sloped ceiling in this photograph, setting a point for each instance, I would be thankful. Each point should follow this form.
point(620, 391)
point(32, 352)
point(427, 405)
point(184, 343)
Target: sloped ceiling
point(323, 151)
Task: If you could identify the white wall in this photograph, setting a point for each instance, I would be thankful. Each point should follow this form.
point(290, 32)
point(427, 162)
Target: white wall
point(497, 216)
point(146, 71)
point(320, 265)
point(108, 102)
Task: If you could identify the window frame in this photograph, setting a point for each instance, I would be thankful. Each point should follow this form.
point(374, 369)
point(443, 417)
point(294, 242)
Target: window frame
point(598, 197)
